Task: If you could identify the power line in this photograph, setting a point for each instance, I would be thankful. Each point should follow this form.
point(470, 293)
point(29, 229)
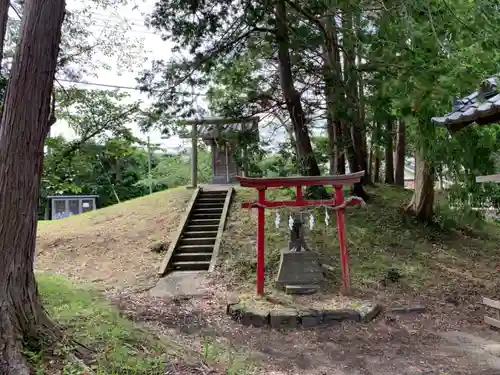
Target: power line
point(58, 80)
point(100, 84)
point(123, 87)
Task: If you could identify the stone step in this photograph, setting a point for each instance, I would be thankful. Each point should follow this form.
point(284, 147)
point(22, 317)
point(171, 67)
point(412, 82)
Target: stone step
point(213, 194)
point(206, 215)
point(192, 257)
point(211, 199)
point(207, 209)
point(204, 221)
point(202, 227)
point(200, 234)
point(209, 205)
point(301, 289)
point(183, 249)
point(197, 241)
point(190, 266)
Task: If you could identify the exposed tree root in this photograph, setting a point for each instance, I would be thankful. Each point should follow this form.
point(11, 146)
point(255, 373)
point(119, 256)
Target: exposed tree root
point(30, 327)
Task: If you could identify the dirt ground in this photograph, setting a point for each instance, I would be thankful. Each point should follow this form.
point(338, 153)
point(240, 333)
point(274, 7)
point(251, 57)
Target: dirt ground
point(449, 339)
point(110, 249)
point(110, 246)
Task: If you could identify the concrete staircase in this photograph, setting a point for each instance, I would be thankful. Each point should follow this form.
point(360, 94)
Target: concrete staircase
point(200, 234)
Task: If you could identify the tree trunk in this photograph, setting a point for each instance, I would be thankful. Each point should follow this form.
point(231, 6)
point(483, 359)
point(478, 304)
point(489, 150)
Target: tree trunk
point(376, 165)
point(335, 95)
point(364, 163)
point(307, 161)
point(356, 154)
point(23, 130)
point(370, 159)
point(422, 202)
point(4, 17)
point(389, 153)
point(400, 154)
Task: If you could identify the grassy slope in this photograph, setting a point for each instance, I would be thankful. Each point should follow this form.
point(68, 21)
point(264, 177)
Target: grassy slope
point(119, 345)
point(110, 246)
point(380, 237)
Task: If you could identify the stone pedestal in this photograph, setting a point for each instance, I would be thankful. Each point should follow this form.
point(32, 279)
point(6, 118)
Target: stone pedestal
point(299, 269)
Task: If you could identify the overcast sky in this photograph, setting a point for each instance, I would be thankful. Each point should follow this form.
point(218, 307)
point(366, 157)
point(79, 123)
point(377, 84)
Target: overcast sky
point(154, 48)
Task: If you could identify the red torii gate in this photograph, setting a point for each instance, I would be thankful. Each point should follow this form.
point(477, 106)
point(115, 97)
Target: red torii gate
point(338, 204)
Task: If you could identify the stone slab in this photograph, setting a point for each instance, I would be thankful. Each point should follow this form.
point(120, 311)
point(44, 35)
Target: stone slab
point(311, 318)
point(299, 268)
point(301, 289)
point(236, 311)
point(283, 319)
point(340, 315)
point(256, 318)
point(369, 311)
point(181, 284)
point(408, 310)
point(286, 317)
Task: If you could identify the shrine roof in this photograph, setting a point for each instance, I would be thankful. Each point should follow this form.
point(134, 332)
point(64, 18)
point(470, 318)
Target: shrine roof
point(482, 106)
point(210, 128)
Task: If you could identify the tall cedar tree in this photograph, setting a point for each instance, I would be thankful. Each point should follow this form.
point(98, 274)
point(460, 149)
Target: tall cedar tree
point(23, 129)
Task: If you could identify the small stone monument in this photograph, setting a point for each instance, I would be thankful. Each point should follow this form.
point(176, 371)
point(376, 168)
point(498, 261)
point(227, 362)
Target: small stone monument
point(300, 271)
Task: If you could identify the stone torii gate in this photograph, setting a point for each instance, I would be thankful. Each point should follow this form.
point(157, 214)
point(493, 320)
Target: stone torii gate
point(210, 130)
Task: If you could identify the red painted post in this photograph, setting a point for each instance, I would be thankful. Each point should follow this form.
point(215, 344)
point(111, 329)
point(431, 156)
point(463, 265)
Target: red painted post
point(344, 256)
point(300, 197)
point(260, 242)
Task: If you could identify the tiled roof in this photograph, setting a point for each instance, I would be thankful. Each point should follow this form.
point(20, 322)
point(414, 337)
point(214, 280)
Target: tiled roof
point(480, 105)
point(209, 130)
point(209, 127)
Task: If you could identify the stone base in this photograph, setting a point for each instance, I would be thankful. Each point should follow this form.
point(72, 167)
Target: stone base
point(299, 268)
point(287, 317)
point(301, 289)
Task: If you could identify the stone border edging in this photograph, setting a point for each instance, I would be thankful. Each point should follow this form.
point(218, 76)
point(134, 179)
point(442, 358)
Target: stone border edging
point(292, 318)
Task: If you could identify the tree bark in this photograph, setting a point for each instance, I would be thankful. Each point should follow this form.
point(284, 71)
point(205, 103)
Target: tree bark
point(400, 154)
point(356, 153)
point(335, 95)
point(23, 128)
point(422, 203)
point(307, 161)
point(370, 158)
point(376, 165)
point(4, 17)
point(389, 153)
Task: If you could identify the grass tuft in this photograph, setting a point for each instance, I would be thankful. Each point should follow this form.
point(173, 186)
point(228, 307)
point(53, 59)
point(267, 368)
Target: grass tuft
point(119, 346)
point(381, 238)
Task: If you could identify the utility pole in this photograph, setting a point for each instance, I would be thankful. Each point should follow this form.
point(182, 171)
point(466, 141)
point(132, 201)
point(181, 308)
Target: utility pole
point(149, 169)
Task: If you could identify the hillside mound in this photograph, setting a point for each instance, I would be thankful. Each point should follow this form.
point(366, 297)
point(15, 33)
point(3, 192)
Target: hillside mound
point(110, 246)
point(388, 249)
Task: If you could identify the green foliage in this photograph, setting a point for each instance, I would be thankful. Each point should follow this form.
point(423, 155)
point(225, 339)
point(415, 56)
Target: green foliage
point(119, 345)
point(380, 237)
point(175, 170)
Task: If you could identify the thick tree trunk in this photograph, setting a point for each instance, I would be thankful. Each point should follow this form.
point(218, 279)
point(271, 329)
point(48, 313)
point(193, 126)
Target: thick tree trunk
point(370, 159)
point(4, 17)
point(356, 152)
point(422, 203)
point(335, 95)
point(24, 126)
point(400, 154)
point(376, 165)
point(307, 161)
point(389, 153)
